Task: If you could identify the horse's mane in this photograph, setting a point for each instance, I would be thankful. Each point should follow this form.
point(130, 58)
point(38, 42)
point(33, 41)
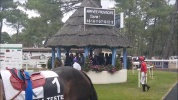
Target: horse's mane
point(93, 95)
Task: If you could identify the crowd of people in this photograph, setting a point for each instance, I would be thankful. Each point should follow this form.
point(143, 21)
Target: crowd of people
point(70, 59)
point(100, 59)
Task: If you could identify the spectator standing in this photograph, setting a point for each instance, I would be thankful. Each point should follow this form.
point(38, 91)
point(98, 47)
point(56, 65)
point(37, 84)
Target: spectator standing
point(107, 60)
point(82, 60)
point(67, 60)
point(95, 60)
point(110, 58)
point(71, 57)
point(77, 57)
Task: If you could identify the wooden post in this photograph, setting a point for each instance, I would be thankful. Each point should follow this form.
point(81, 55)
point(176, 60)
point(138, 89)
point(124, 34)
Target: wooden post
point(53, 56)
point(114, 56)
point(59, 53)
point(138, 77)
point(125, 58)
point(86, 50)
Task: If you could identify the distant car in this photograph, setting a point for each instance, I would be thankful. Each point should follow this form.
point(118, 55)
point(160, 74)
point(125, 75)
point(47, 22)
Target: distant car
point(173, 58)
point(135, 61)
point(121, 58)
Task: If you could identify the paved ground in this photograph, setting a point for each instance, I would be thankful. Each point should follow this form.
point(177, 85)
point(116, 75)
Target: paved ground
point(173, 94)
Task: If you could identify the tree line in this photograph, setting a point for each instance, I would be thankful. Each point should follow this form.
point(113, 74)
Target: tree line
point(150, 25)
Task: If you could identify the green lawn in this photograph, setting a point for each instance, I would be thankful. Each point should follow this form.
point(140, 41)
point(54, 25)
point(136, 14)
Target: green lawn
point(160, 85)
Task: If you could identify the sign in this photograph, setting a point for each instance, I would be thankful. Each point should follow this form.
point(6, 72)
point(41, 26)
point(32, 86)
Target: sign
point(99, 16)
point(119, 20)
point(10, 56)
point(65, 1)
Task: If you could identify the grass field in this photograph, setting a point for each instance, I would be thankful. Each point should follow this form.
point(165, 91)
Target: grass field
point(160, 86)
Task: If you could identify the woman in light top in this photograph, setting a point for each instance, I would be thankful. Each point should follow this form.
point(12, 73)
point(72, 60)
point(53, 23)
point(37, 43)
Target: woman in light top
point(76, 65)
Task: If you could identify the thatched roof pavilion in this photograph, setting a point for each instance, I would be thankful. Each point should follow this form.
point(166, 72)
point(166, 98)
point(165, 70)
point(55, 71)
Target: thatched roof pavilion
point(74, 34)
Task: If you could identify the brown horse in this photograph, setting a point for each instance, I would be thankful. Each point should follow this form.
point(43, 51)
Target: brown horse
point(76, 85)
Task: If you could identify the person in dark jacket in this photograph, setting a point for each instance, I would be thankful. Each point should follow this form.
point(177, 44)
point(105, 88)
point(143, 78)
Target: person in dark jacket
point(82, 60)
point(67, 60)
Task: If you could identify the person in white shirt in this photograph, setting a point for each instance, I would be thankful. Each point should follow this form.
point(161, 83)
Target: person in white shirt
point(76, 65)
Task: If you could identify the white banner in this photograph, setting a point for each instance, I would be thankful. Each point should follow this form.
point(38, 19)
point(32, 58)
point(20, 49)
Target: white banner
point(11, 56)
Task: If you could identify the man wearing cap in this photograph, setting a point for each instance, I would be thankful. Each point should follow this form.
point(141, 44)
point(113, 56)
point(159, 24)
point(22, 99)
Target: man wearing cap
point(143, 73)
point(76, 65)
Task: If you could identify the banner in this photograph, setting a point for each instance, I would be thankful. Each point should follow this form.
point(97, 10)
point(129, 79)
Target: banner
point(99, 16)
point(11, 56)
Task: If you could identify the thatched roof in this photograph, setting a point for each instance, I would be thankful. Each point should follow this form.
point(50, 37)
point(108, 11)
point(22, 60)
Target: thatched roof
point(75, 34)
point(49, 50)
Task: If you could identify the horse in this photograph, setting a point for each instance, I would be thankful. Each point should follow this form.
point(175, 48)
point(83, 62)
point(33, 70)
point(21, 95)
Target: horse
point(76, 85)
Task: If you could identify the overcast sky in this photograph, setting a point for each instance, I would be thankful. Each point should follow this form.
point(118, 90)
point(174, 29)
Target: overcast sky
point(105, 4)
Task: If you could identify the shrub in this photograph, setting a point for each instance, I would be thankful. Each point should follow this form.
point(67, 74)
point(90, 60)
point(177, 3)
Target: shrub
point(87, 64)
point(43, 65)
point(99, 68)
point(118, 63)
point(49, 63)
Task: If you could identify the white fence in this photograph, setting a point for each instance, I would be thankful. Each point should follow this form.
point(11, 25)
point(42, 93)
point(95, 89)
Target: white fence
point(162, 63)
point(35, 63)
point(157, 64)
